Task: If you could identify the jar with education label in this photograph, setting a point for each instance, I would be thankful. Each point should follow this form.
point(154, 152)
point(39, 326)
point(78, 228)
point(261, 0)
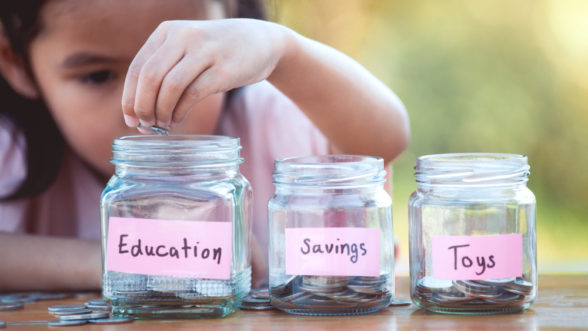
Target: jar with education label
point(472, 234)
point(331, 247)
point(176, 227)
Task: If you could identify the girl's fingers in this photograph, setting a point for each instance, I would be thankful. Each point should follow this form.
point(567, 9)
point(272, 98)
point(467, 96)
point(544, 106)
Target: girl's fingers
point(151, 77)
point(175, 83)
point(153, 43)
point(197, 90)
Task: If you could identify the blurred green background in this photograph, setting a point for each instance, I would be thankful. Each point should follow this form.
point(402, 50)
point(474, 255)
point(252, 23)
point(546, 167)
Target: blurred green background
point(479, 76)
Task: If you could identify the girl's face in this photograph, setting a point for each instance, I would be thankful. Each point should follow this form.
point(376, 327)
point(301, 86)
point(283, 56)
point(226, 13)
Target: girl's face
point(80, 58)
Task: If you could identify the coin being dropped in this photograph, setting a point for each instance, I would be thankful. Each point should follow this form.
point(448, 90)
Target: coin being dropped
point(160, 130)
point(112, 320)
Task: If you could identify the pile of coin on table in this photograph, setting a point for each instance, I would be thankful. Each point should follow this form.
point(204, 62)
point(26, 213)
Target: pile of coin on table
point(509, 292)
point(93, 311)
point(321, 292)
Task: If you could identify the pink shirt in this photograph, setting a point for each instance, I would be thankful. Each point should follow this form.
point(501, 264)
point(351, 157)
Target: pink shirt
point(269, 124)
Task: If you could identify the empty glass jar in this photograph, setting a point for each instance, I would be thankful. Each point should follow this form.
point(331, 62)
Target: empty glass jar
point(331, 245)
point(472, 234)
point(176, 227)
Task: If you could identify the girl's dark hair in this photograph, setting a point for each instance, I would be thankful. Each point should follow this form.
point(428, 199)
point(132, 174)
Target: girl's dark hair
point(45, 145)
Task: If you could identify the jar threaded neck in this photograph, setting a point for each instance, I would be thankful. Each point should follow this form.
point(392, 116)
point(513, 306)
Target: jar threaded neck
point(329, 171)
point(176, 151)
point(471, 169)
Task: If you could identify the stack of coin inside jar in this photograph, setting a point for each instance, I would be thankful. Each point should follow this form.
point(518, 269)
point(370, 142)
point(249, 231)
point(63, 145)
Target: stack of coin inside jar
point(329, 293)
point(476, 294)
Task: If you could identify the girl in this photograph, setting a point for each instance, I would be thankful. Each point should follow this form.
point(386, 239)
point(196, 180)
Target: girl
point(67, 65)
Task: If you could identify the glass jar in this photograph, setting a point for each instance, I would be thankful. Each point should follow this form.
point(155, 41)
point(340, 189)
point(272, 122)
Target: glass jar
point(331, 242)
point(176, 227)
point(472, 234)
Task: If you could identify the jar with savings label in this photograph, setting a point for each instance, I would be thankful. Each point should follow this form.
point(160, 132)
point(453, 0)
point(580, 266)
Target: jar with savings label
point(176, 225)
point(331, 243)
point(472, 234)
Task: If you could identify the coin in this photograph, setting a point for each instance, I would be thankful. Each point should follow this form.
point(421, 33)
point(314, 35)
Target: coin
point(400, 302)
point(111, 320)
point(66, 323)
point(53, 295)
point(260, 294)
point(260, 307)
point(474, 294)
point(332, 293)
point(11, 306)
point(255, 303)
point(159, 130)
point(71, 312)
point(65, 307)
point(97, 304)
point(89, 316)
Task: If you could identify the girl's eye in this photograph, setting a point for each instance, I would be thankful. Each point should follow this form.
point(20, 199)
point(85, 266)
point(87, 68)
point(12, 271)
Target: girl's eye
point(98, 77)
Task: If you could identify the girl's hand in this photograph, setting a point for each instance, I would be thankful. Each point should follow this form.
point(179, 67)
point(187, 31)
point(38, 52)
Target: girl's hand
point(183, 62)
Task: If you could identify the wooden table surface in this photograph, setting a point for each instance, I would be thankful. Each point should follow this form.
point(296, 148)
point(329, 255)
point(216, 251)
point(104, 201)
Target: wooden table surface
point(562, 304)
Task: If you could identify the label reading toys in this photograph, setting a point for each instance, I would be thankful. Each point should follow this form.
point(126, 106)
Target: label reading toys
point(477, 257)
point(333, 251)
point(186, 249)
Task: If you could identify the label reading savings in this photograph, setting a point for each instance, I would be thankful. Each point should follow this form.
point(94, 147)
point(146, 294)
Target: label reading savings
point(188, 249)
point(333, 251)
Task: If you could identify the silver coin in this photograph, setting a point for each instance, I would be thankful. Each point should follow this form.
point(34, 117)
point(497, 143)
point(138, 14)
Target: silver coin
point(89, 316)
point(67, 323)
point(400, 303)
point(112, 320)
point(521, 285)
point(71, 312)
point(435, 284)
point(17, 298)
point(159, 130)
point(264, 307)
point(260, 294)
point(11, 306)
point(496, 281)
point(53, 295)
point(251, 300)
point(65, 307)
point(97, 304)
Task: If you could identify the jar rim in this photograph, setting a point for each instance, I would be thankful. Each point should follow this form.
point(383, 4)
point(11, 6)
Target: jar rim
point(473, 157)
point(471, 169)
point(327, 159)
point(184, 140)
point(176, 151)
point(329, 170)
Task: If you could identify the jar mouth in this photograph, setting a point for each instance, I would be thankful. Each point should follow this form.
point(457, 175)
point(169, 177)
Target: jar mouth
point(329, 171)
point(472, 169)
point(176, 150)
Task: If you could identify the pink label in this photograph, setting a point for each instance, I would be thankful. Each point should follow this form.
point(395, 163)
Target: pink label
point(477, 257)
point(333, 251)
point(186, 249)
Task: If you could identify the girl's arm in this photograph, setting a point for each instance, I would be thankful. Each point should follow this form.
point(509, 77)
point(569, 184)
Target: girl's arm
point(356, 111)
point(183, 62)
point(46, 263)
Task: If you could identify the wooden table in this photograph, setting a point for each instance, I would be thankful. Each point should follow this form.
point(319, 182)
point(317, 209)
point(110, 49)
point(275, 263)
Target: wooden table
point(562, 303)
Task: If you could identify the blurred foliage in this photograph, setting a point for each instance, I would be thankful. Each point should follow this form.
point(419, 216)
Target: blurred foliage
point(479, 76)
